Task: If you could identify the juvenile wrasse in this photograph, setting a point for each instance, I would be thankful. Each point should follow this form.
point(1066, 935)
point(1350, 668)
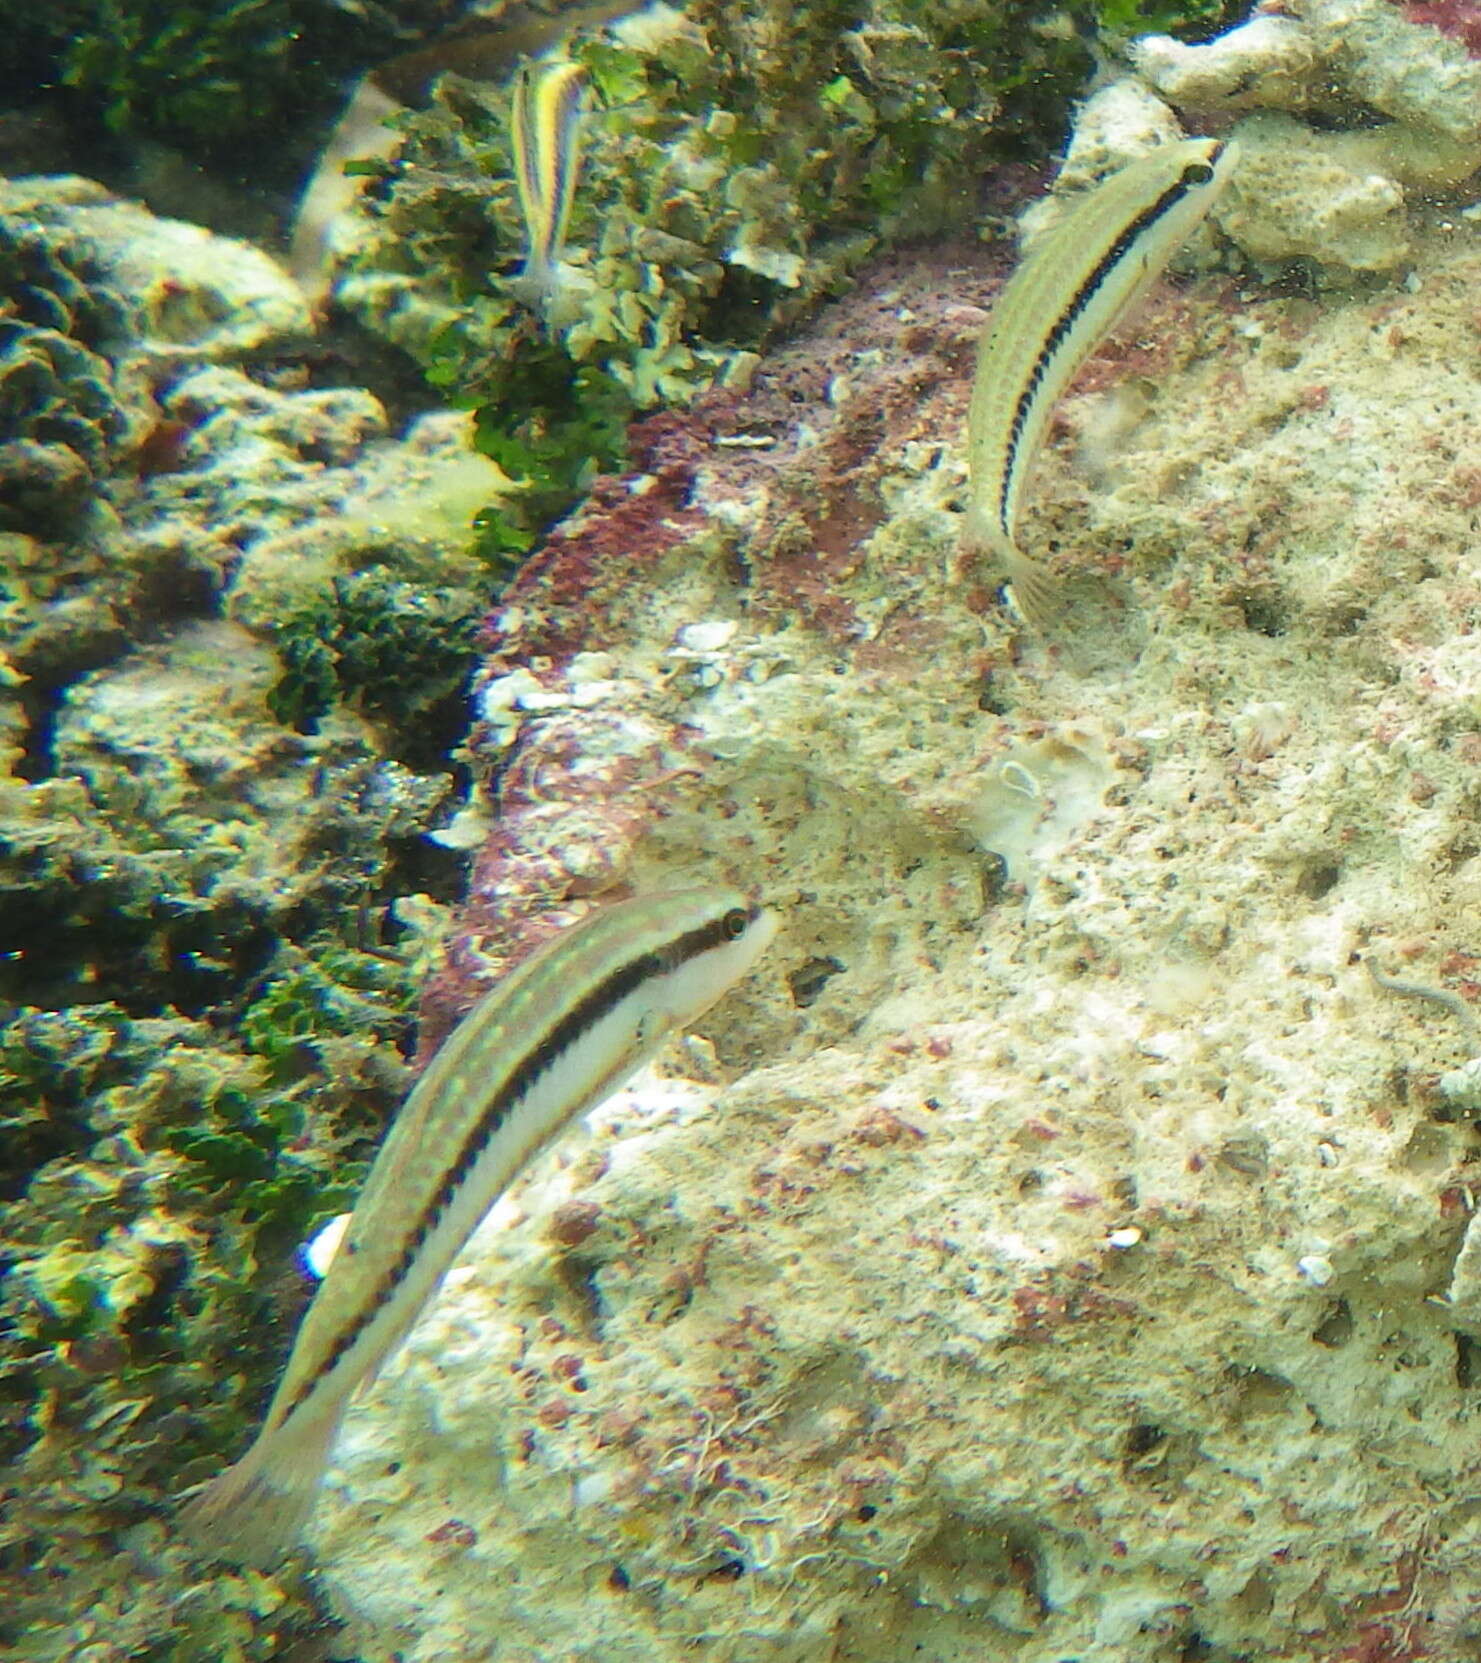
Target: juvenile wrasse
point(555, 1037)
point(545, 136)
point(480, 48)
point(1055, 310)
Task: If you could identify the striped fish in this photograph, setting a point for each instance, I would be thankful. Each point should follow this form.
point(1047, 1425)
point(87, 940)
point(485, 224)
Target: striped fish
point(555, 1037)
point(549, 101)
point(480, 48)
point(1058, 306)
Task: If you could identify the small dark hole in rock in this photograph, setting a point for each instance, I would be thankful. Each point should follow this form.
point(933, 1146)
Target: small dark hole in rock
point(1263, 614)
point(808, 980)
point(1317, 880)
point(1143, 1438)
point(1335, 1329)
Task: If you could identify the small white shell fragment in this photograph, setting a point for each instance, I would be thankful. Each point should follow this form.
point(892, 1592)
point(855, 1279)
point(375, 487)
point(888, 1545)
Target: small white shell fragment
point(1326, 1153)
point(1127, 1236)
point(591, 1489)
point(467, 829)
point(505, 692)
point(1314, 1268)
point(1461, 1087)
point(709, 636)
point(318, 1253)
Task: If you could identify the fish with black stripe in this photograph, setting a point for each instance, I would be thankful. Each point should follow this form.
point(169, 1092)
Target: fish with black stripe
point(552, 1040)
point(545, 128)
point(1085, 274)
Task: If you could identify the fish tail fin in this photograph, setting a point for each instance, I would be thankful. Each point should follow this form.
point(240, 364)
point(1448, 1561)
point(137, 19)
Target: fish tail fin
point(539, 287)
point(254, 1512)
point(1035, 591)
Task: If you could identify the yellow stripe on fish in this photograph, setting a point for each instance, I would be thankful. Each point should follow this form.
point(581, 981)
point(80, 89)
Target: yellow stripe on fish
point(552, 1040)
point(545, 132)
point(1056, 309)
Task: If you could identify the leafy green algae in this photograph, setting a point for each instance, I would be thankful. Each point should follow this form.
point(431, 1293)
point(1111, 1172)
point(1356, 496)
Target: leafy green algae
point(394, 648)
point(150, 1287)
point(739, 163)
point(201, 1043)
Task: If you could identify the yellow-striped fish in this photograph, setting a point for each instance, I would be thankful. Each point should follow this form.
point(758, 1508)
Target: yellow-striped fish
point(549, 101)
point(553, 1039)
point(481, 48)
point(1056, 309)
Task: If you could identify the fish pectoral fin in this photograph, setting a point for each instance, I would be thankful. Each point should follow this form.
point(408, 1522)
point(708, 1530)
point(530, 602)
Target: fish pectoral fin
point(653, 1029)
point(649, 1036)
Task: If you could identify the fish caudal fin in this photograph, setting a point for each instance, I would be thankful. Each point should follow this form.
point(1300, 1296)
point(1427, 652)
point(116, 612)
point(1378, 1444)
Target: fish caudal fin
point(1035, 592)
point(254, 1512)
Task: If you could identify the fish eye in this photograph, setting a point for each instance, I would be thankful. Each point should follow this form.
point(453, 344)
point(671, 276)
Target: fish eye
point(734, 923)
point(1197, 173)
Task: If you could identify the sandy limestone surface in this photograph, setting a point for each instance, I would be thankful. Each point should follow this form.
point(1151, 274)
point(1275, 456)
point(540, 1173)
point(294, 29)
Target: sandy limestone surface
point(1043, 1256)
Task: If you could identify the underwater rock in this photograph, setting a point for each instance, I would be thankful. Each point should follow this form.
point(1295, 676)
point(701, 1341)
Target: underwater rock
point(59, 411)
point(237, 609)
point(1112, 127)
point(172, 465)
point(189, 290)
point(1407, 70)
point(1350, 105)
point(1269, 63)
point(1045, 1261)
point(45, 486)
point(1296, 196)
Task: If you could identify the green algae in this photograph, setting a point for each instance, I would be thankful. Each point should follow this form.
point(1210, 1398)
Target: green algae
point(393, 648)
point(151, 1284)
point(204, 1041)
point(738, 166)
point(202, 72)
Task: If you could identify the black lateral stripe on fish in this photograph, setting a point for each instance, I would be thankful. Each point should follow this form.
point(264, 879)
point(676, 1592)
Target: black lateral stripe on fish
point(1196, 173)
point(543, 1055)
point(558, 1035)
